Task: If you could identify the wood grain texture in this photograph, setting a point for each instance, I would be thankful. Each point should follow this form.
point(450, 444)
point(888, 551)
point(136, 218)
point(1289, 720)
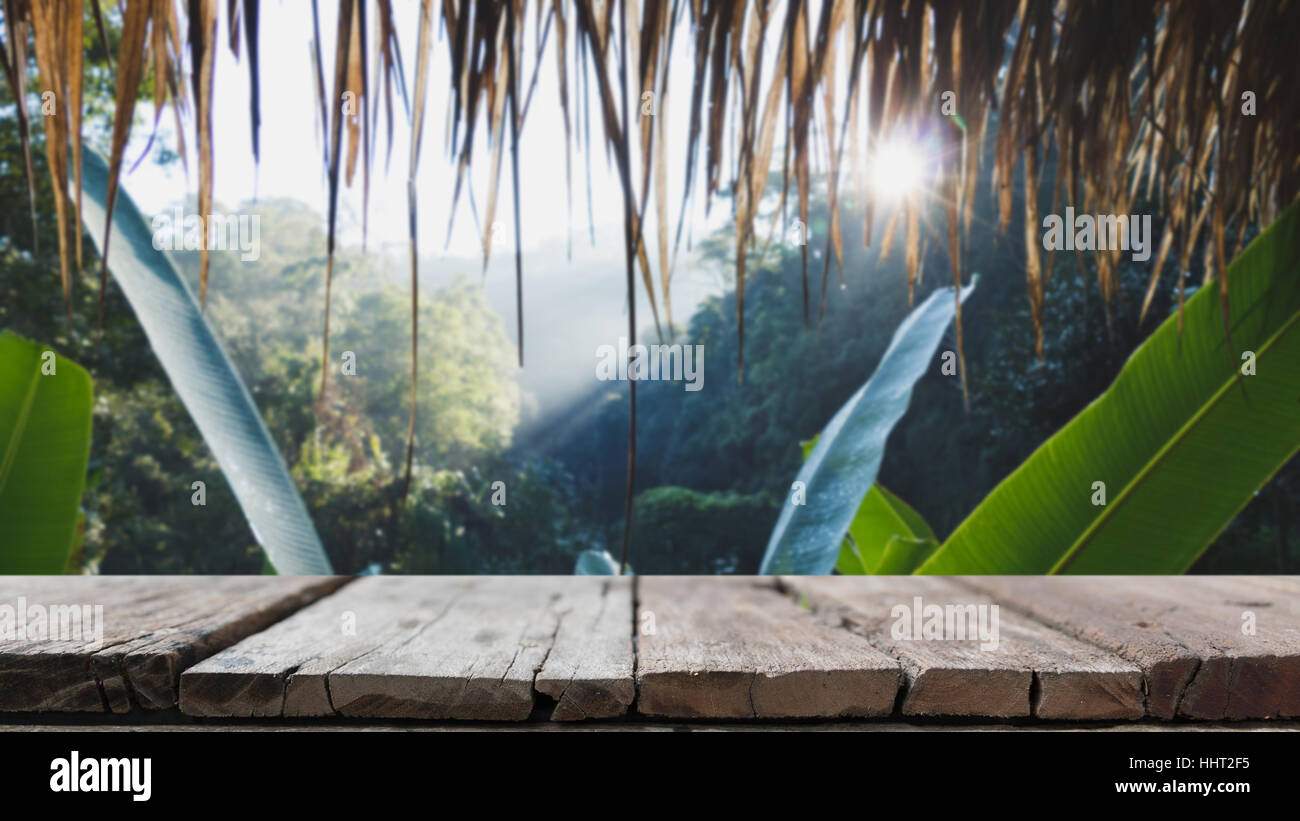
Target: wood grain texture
point(588, 671)
point(433, 648)
point(1185, 632)
point(1032, 671)
point(153, 627)
point(500, 648)
point(714, 647)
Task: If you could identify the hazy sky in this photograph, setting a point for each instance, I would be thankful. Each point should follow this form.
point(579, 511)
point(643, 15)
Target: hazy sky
point(571, 307)
point(291, 162)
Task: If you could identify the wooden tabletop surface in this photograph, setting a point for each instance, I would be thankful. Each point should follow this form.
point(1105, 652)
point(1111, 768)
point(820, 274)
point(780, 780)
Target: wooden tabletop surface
point(653, 650)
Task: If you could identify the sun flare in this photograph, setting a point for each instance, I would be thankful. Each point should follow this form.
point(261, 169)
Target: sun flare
point(897, 170)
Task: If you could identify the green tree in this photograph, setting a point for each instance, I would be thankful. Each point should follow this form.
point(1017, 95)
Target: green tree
point(684, 531)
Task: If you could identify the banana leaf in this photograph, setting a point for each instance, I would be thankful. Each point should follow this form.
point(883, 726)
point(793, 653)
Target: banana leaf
point(1180, 442)
point(205, 380)
point(842, 467)
point(882, 519)
point(903, 555)
point(883, 523)
point(45, 413)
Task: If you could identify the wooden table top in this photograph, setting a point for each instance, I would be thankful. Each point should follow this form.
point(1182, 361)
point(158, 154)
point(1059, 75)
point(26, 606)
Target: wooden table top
point(654, 650)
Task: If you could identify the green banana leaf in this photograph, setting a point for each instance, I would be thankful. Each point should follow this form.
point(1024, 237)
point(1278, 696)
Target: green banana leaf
point(903, 555)
point(842, 466)
point(205, 380)
point(881, 518)
point(595, 563)
point(44, 446)
point(1181, 439)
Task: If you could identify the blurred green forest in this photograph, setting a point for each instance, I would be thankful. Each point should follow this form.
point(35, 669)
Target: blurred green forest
point(345, 451)
point(713, 465)
point(736, 447)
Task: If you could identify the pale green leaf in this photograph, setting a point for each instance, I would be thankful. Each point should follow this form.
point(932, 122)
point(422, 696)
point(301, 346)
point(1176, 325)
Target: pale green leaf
point(842, 466)
point(206, 381)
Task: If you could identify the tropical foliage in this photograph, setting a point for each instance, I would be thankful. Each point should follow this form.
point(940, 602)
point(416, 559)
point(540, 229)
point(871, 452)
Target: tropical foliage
point(1154, 122)
point(205, 379)
point(1194, 439)
point(1145, 477)
point(944, 462)
point(1159, 103)
point(45, 403)
point(841, 467)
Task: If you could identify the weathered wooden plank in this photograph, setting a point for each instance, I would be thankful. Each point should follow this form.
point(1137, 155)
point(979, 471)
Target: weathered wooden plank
point(122, 642)
point(715, 647)
point(440, 648)
point(974, 660)
point(283, 671)
point(1186, 633)
point(588, 671)
point(434, 648)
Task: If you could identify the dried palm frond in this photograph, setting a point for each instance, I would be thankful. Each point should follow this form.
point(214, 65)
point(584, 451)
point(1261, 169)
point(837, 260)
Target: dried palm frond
point(13, 60)
point(417, 136)
point(57, 42)
point(1119, 92)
